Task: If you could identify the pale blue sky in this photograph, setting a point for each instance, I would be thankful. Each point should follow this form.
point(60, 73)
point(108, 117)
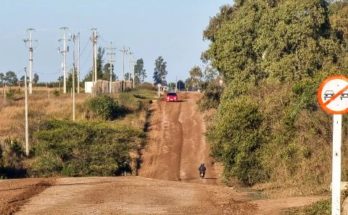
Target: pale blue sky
point(151, 28)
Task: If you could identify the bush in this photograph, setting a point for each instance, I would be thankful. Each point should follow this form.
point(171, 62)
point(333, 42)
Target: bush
point(237, 138)
point(322, 207)
point(83, 149)
point(211, 97)
point(11, 160)
point(56, 93)
point(105, 107)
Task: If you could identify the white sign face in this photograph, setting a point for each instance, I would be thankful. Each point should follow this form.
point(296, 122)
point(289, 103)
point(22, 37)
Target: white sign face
point(333, 95)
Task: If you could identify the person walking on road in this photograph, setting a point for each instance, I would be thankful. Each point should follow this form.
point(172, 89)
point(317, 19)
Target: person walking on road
point(202, 170)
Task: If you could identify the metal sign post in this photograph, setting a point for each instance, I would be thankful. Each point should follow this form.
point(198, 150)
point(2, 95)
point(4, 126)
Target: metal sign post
point(333, 99)
point(336, 164)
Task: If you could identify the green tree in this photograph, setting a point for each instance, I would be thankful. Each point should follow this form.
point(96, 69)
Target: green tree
point(100, 63)
point(36, 78)
point(10, 78)
point(139, 71)
point(107, 71)
point(180, 85)
point(160, 71)
point(196, 76)
point(2, 78)
point(259, 46)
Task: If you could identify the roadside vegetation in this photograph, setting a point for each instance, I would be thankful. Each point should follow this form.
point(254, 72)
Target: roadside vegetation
point(322, 207)
point(104, 140)
point(272, 56)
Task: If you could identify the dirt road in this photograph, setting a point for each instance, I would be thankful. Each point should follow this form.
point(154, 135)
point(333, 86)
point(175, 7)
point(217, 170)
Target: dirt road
point(135, 195)
point(168, 181)
point(177, 143)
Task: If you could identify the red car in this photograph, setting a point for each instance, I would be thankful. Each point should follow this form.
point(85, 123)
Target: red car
point(172, 97)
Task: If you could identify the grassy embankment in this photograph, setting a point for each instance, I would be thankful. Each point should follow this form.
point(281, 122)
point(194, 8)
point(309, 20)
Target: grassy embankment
point(92, 145)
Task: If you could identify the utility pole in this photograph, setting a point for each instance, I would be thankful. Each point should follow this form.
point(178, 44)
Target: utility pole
point(29, 43)
point(111, 53)
point(124, 51)
point(78, 63)
point(176, 83)
point(26, 114)
point(74, 38)
point(64, 51)
point(132, 63)
point(94, 39)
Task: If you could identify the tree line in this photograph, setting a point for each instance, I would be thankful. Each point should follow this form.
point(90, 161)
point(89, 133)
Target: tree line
point(272, 55)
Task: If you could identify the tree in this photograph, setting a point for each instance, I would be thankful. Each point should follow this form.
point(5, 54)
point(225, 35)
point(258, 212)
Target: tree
point(2, 78)
point(210, 73)
point(180, 85)
point(195, 79)
point(100, 61)
point(36, 78)
point(272, 55)
point(107, 70)
point(127, 76)
point(171, 86)
point(11, 78)
point(139, 71)
point(160, 71)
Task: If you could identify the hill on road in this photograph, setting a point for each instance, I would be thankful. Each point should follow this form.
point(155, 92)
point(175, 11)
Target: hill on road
point(175, 148)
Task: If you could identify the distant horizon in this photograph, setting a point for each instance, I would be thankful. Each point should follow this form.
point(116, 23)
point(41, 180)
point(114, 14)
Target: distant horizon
point(173, 30)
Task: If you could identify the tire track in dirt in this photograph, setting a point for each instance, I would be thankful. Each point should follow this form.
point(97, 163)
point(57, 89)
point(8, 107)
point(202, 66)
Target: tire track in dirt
point(177, 147)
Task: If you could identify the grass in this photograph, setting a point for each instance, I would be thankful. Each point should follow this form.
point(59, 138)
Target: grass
point(45, 105)
point(322, 207)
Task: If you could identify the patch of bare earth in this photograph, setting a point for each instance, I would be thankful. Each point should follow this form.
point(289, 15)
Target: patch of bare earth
point(16, 192)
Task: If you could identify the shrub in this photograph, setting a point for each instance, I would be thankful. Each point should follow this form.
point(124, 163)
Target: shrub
point(56, 93)
point(237, 138)
point(105, 107)
point(83, 149)
point(12, 156)
point(211, 97)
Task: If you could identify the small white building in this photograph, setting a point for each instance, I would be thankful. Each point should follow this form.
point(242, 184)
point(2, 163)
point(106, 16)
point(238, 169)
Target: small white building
point(89, 86)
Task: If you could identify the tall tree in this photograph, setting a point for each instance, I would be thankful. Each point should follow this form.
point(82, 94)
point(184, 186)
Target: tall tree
point(100, 61)
point(36, 78)
point(107, 71)
point(11, 78)
point(2, 78)
point(262, 47)
point(195, 77)
point(139, 71)
point(160, 71)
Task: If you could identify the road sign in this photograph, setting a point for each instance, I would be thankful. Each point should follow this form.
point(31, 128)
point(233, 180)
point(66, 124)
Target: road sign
point(333, 95)
point(333, 98)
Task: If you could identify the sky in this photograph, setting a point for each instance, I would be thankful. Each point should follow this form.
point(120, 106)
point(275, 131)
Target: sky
point(150, 28)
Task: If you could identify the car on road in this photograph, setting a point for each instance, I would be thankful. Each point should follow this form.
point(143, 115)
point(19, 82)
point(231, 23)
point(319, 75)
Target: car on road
point(172, 97)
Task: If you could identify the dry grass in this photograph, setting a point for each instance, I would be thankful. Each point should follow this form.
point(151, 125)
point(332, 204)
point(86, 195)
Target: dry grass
point(43, 104)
